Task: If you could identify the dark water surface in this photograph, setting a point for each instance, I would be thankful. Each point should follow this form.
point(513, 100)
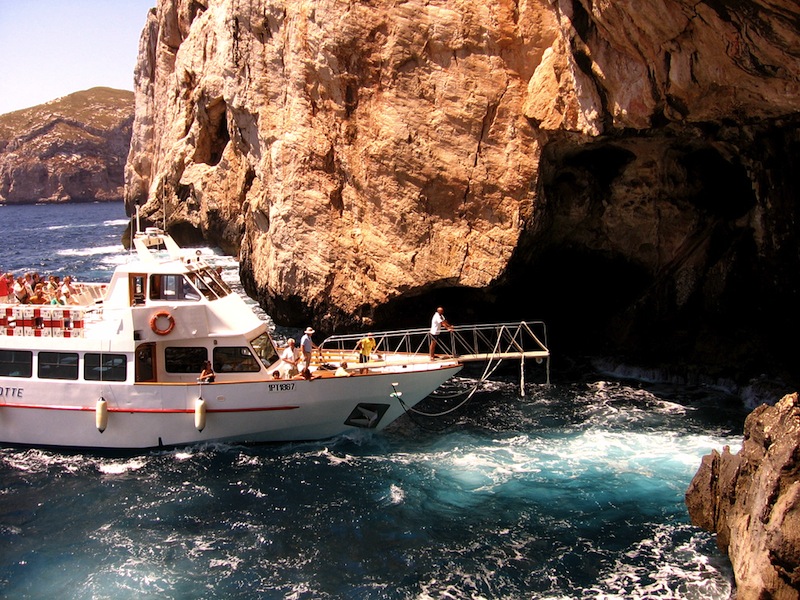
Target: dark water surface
point(573, 491)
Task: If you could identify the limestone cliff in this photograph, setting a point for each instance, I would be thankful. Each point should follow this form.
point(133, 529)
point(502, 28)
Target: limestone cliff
point(751, 500)
point(70, 149)
point(627, 172)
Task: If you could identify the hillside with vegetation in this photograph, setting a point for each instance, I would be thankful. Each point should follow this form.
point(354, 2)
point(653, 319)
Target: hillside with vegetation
point(72, 149)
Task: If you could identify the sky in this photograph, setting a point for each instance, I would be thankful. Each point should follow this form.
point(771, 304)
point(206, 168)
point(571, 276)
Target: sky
point(51, 48)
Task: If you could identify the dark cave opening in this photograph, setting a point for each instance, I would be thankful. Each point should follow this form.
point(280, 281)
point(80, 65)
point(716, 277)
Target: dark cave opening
point(710, 306)
point(710, 302)
point(213, 136)
point(574, 292)
point(723, 188)
point(186, 234)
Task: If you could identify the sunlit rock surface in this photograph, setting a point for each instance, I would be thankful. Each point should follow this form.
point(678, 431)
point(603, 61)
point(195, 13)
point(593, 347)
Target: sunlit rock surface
point(751, 500)
point(628, 173)
point(70, 149)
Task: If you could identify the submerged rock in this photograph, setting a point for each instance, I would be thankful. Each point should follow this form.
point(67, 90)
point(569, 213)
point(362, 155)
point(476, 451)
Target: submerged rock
point(751, 500)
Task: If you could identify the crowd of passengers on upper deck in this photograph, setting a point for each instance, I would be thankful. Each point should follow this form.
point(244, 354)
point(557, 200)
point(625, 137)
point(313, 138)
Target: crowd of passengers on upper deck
point(32, 288)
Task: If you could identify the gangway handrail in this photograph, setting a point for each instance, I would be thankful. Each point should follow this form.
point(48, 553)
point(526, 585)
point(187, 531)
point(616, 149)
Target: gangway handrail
point(482, 342)
point(490, 343)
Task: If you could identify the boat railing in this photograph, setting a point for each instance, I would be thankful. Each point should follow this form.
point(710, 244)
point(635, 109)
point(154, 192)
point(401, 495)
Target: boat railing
point(467, 343)
point(44, 320)
point(90, 293)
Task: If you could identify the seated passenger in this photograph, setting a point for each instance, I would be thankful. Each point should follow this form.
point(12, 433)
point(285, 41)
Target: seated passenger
point(305, 374)
point(67, 289)
point(53, 285)
point(342, 370)
point(38, 296)
point(21, 291)
point(207, 374)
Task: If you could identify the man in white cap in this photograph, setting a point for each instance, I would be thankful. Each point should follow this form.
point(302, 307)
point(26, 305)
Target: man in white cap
point(307, 345)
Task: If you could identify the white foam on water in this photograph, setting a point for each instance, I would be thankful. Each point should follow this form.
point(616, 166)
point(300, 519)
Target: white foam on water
point(661, 567)
point(334, 459)
point(116, 222)
point(118, 468)
point(396, 494)
point(95, 251)
point(229, 564)
point(41, 461)
point(106, 223)
point(515, 510)
point(113, 260)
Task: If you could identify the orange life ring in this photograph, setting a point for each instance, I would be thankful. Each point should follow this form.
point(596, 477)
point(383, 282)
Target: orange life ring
point(170, 326)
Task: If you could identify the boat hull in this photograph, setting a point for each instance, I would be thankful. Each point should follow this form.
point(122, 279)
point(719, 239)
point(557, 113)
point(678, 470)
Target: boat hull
point(142, 416)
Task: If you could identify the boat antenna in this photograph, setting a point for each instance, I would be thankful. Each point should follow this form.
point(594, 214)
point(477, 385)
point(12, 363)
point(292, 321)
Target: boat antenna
point(134, 228)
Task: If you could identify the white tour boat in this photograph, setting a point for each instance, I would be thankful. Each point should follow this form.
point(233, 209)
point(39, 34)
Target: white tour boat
point(118, 368)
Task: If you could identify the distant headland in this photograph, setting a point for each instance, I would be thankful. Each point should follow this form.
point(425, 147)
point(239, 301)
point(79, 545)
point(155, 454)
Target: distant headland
point(71, 149)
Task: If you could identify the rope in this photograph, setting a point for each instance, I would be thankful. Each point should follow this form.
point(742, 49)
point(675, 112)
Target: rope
point(487, 373)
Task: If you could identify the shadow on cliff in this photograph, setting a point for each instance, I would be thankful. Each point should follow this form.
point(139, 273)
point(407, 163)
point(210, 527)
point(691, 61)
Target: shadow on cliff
point(654, 249)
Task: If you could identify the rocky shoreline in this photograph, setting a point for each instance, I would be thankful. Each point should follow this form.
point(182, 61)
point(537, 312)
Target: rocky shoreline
point(751, 500)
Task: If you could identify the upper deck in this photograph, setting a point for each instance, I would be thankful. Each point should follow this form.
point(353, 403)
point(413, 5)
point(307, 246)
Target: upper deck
point(163, 292)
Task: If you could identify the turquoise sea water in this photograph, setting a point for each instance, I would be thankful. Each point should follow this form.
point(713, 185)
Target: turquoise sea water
point(574, 490)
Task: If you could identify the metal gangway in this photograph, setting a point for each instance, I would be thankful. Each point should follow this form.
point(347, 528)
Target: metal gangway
point(490, 343)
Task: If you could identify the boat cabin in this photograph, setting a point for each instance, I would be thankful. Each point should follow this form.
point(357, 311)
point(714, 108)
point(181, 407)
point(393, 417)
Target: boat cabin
point(158, 320)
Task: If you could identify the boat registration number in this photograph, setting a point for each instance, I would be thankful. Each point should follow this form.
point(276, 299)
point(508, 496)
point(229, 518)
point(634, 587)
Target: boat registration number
point(280, 387)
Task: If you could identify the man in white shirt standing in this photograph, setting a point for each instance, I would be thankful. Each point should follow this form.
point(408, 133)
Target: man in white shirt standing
point(307, 345)
point(437, 322)
point(291, 356)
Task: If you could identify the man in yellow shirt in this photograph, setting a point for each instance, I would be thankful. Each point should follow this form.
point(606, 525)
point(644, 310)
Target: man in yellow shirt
point(364, 348)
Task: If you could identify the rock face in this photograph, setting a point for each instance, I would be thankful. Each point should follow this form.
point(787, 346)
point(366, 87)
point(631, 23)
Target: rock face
point(626, 172)
point(71, 149)
point(752, 501)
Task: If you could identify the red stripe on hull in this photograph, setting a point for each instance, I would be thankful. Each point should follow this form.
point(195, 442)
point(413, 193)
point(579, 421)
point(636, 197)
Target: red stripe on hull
point(149, 410)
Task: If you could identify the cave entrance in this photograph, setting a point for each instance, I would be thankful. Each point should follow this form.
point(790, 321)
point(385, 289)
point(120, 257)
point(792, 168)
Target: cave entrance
point(213, 136)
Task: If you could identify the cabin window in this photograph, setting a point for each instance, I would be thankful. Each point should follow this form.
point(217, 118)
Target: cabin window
point(58, 365)
point(213, 278)
point(105, 367)
point(265, 349)
point(172, 287)
point(137, 284)
point(235, 360)
point(202, 286)
point(184, 360)
point(16, 363)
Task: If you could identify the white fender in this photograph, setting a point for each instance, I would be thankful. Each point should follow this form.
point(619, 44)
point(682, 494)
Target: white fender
point(101, 415)
point(200, 414)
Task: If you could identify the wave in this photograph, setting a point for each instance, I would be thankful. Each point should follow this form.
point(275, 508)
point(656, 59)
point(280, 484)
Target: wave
point(474, 513)
point(121, 468)
point(96, 251)
point(106, 223)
